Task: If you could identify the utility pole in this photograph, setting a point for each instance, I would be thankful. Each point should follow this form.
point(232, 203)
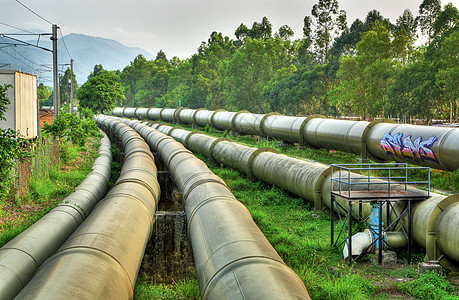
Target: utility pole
point(71, 86)
point(56, 98)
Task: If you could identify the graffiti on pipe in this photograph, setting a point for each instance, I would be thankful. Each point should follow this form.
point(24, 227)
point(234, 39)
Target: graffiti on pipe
point(417, 150)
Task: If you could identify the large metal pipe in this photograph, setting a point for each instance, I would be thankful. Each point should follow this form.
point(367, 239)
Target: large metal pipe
point(102, 257)
point(380, 140)
point(312, 181)
point(233, 258)
point(21, 257)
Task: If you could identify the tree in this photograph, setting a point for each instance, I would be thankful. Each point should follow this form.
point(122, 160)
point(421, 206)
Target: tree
point(97, 69)
point(446, 19)
point(407, 23)
point(363, 79)
point(43, 92)
point(284, 32)
point(329, 22)
point(447, 77)
point(64, 86)
point(345, 43)
point(428, 12)
point(161, 55)
point(374, 17)
point(249, 71)
point(102, 92)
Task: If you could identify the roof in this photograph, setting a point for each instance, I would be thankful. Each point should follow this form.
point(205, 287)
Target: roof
point(12, 71)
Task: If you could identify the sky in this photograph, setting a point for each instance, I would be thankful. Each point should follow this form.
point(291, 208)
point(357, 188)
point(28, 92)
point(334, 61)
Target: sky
point(177, 26)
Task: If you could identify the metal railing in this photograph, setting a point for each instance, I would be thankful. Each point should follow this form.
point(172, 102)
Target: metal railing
point(389, 174)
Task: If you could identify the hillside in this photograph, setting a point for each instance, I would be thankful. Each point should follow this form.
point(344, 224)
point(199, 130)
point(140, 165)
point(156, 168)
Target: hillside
point(87, 51)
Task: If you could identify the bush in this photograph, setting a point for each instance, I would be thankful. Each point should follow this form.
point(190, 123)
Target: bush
point(71, 127)
point(11, 148)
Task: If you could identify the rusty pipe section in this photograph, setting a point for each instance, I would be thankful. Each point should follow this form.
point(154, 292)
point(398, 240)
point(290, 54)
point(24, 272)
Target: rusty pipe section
point(21, 257)
point(380, 140)
point(101, 258)
point(435, 220)
point(233, 258)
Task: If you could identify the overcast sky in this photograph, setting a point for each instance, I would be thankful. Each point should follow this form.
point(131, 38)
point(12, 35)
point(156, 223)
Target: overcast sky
point(177, 26)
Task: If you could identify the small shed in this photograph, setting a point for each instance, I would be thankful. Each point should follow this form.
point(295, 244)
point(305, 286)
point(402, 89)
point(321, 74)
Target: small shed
point(22, 112)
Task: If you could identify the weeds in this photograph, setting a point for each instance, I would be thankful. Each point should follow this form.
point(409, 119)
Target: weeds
point(184, 290)
point(429, 285)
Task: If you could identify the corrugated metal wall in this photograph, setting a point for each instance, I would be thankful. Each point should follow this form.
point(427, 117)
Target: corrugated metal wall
point(22, 113)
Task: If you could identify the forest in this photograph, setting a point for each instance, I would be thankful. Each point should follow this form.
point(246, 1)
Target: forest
point(364, 69)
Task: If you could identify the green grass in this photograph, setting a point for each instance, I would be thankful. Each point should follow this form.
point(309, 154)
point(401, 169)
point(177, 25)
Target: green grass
point(183, 290)
point(429, 286)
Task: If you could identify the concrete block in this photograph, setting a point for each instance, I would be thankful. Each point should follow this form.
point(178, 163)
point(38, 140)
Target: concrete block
point(430, 267)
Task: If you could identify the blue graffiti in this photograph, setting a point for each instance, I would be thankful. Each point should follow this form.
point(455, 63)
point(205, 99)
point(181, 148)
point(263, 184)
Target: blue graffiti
point(417, 150)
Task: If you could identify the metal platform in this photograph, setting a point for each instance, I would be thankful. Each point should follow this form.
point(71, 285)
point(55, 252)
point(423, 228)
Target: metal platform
point(381, 184)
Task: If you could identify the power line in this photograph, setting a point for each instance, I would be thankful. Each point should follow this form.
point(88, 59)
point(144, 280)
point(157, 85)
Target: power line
point(34, 12)
point(11, 26)
point(65, 44)
point(23, 62)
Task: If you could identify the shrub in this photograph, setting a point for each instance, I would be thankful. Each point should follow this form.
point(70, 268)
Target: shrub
point(11, 148)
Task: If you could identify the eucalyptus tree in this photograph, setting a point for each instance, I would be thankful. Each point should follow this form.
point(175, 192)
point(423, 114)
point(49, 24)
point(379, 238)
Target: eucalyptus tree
point(428, 13)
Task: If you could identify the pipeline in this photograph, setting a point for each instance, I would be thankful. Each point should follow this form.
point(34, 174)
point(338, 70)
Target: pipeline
point(435, 220)
point(101, 258)
point(380, 140)
point(21, 257)
point(233, 258)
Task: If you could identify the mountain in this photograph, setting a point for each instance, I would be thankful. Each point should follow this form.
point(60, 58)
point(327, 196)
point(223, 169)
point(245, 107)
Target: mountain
point(87, 51)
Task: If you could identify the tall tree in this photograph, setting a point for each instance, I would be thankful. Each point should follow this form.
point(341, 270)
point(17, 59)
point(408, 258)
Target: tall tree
point(407, 23)
point(428, 13)
point(329, 22)
point(447, 77)
point(447, 18)
point(284, 32)
point(64, 86)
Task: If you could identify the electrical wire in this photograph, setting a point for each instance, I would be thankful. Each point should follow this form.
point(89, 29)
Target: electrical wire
point(18, 53)
point(11, 26)
point(65, 44)
point(22, 62)
point(33, 12)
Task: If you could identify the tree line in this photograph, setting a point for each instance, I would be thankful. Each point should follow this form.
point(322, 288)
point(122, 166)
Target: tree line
point(370, 68)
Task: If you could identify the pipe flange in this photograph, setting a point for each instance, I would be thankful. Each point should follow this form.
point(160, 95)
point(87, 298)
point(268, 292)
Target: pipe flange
point(309, 118)
point(318, 203)
point(194, 115)
point(260, 126)
point(433, 252)
point(212, 117)
point(255, 154)
point(364, 148)
point(211, 148)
